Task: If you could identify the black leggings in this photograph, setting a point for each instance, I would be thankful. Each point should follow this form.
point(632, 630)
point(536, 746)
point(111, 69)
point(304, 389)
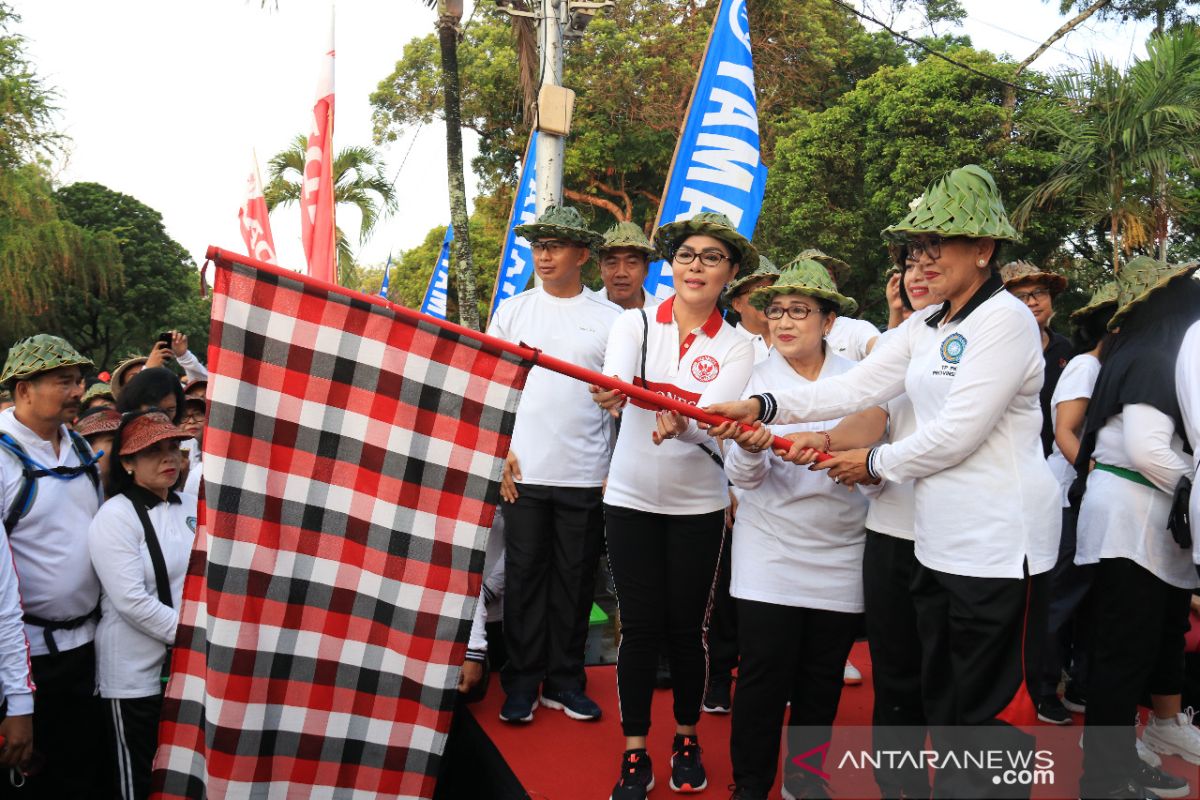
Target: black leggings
point(664, 567)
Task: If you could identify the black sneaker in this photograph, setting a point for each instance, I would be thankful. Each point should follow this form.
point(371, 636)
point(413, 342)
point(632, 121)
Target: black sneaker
point(637, 776)
point(572, 702)
point(518, 707)
point(747, 794)
point(718, 699)
point(1073, 699)
point(687, 773)
point(1125, 791)
point(802, 785)
point(1054, 712)
point(1163, 784)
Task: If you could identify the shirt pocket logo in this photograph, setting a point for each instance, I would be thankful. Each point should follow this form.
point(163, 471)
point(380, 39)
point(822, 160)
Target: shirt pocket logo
point(705, 369)
point(953, 347)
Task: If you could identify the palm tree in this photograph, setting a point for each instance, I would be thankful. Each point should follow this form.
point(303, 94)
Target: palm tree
point(358, 180)
point(1120, 137)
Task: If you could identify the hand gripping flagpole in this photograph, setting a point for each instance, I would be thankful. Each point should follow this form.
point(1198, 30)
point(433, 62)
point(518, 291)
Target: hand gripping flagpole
point(531, 354)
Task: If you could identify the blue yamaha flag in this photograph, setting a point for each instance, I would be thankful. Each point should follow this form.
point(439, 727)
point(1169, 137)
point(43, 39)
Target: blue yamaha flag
point(717, 165)
point(516, 259)
point(387, 274)
point(434, 303)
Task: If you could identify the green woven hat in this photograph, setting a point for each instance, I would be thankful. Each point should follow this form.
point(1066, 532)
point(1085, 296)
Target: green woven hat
point(1016, 272)
point(964, 202)
point(804, 276)
point(99, 389)
point(628, 234)
point(766, 269)
point(838, 268)
point(560, 222)
point(40, 353)
point(1140, 278)
point(1104, 298)
point(707, 223)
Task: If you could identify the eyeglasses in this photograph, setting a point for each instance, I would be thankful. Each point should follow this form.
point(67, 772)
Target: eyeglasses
point(552, 247)
point(930, 246)
point(194, 417)
point(709, 258)
point(794, 312)
point(1037, 295)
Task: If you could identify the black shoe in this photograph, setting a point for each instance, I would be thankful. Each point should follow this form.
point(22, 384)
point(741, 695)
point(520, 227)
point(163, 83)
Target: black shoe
point(574, 703)
point(718, 699)
point(637, 776)
point(518, 707)
point(803, 785)
point(1054, 712)
point(1073, 699)
point(746, 794)
point(1123, 791)
point(1163, 784)
point(687, 773)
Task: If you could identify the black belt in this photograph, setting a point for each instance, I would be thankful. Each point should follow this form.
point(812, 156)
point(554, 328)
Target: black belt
point(48, 626)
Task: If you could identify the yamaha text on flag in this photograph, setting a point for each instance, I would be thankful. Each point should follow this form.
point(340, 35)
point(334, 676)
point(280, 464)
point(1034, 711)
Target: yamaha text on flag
point(437, 294)
point(516, 259)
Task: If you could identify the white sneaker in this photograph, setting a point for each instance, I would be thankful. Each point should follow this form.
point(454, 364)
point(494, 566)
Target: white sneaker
point(1148, 756)
point(851, 676)
point(1176, 736)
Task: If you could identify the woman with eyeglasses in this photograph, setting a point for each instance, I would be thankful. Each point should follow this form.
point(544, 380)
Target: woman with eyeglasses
point(665, 501)
point(985, 501)
point(140, 541)
point(797, 554)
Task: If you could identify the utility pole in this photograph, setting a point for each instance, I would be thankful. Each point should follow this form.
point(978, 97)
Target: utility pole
point(551, 146)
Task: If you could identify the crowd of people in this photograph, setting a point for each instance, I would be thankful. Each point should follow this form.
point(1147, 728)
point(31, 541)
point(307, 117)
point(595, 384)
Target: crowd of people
point(98, 492)
point(977, 494)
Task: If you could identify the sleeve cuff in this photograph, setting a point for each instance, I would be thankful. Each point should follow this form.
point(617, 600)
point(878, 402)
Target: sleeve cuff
point(767, 407)
point(20, 705)
point(479, 656)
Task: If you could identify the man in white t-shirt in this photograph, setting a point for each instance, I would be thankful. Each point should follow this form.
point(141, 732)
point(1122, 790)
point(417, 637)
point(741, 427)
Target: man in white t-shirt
point(849, 337)
point(556, 465)
point(624, 261)
point(751, 322)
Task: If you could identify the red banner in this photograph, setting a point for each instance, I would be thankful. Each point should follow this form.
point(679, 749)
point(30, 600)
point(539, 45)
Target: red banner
point(255, 221)
point(316, 192)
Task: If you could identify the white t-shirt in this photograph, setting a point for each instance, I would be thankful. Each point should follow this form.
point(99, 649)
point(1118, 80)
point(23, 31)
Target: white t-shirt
point(892, 507)
point(195, 467)
point(761, 351)
point(711, 366)
point(561, 438)
point(1077, 381)
point(985, 499)
point(649, 301)
point(849, 337)
point(1187, 387)
point(1123, 519)
point(798, 538)
point(135, 627)
point(49, 544)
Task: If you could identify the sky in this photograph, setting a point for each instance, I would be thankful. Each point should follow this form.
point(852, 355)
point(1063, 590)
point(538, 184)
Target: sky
point(167, 101)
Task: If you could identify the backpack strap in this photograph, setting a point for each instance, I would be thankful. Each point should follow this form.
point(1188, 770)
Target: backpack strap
point(157, 561)
point(24, 497)
point(87, 458)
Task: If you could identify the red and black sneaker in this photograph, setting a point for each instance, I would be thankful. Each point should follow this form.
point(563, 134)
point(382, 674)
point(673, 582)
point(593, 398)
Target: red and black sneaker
point(687, 773)
point(637, 776)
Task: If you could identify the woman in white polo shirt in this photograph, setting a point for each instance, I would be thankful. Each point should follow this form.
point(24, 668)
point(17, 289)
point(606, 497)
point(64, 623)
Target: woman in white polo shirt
point(665, 502)
point(986, 504)
point(140, 541)
point(797, 555)
point(1143, 576)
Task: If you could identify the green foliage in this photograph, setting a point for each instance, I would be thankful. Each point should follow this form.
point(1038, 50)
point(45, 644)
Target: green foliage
point(26, 104)
point(161, 288)
point(843, 174)
point(1164, 13)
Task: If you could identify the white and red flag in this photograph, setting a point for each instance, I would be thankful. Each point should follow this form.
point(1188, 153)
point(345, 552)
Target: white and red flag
point(316, 192)
point(254, 219)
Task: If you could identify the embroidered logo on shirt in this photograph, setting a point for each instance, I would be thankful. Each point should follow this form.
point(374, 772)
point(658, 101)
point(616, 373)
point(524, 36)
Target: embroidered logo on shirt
point(953, 347)
point(705, 369)
point(191, 523)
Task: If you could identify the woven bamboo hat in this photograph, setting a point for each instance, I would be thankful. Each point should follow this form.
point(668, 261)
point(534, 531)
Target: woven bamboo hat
point(147, 429)
point(964, 202)
point(808, 277)
point(560, 222)
point(98, 390)
point(630, 235)
point(707, 223)
point(1017, 272)
point(40, 353)
point(766, 269)
point(838, 268)
point(1140, 278)
point(1103, 299)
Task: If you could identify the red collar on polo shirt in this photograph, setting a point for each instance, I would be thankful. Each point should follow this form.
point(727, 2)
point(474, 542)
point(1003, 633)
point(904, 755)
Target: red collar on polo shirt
point(711, 326)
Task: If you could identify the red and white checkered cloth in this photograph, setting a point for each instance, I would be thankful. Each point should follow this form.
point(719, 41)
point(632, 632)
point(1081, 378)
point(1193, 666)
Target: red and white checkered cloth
point(352, 463)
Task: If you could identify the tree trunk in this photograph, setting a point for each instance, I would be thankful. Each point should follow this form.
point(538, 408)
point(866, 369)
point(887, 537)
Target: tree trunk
point(464, 271)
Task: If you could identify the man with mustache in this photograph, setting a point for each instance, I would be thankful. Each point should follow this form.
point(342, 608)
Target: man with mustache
point(49, 492)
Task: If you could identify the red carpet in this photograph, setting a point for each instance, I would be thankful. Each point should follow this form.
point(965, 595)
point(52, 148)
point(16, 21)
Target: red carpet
point(557, 758)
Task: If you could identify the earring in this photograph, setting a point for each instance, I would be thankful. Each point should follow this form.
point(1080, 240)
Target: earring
point(981, 262)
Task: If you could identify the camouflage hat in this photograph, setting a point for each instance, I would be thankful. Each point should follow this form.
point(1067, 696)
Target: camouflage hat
point(808, 277)
point(839, 269)
point(707, 223)
point(1016, 272)
point(627, 234)
point(1103, 299)
point(119, 374)
point(560, 222)
point(1140, 278)
point(766, 269)
point(964, 202)
point(40, 353)
point(98, 390)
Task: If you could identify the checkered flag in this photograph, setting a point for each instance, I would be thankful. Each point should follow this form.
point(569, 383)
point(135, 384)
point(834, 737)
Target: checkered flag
point(352, 463)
